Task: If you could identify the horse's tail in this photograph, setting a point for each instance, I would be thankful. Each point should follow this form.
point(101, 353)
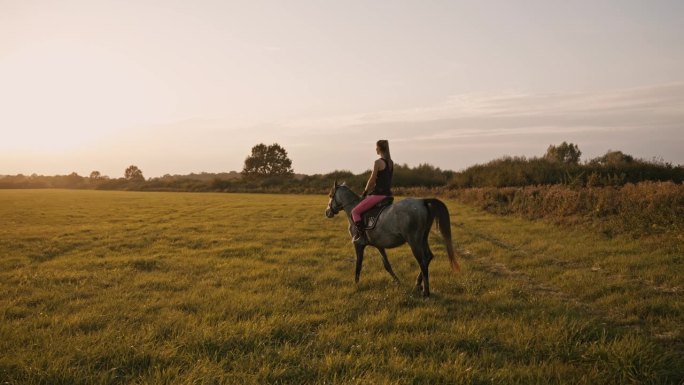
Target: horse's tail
point(438, 210)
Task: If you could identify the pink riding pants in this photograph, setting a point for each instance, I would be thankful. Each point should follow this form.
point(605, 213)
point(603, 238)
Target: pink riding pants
point(365, 205)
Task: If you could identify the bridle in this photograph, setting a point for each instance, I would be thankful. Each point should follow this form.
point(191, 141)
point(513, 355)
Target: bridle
point(333, 205)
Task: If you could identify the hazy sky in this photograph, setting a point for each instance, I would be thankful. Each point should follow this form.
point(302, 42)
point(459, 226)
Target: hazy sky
point(190, 86)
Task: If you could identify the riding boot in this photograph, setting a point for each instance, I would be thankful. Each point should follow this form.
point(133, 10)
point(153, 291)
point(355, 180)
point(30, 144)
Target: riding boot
point(359, 234)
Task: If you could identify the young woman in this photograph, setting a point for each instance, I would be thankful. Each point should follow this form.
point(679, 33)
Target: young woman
point(379, 187)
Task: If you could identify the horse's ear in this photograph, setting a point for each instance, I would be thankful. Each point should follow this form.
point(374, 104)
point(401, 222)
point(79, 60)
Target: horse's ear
point(336, 183)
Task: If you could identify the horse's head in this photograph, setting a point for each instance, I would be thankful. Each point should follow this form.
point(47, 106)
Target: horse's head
point(334, 204)
point(340, 197)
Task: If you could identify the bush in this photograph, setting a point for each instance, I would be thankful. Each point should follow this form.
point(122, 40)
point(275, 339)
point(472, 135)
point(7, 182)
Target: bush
point(643, 208)
point(519, 171)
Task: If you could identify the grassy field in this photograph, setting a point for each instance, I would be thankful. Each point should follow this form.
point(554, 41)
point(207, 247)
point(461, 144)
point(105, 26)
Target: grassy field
point(180, 288)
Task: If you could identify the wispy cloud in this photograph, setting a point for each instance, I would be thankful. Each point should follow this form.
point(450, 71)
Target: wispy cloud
point(507, 113)
point(465, 129)
point(456, 133)
point(460, 131)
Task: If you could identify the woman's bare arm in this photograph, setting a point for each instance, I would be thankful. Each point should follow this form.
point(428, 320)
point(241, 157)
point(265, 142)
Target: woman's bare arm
point(378, 166)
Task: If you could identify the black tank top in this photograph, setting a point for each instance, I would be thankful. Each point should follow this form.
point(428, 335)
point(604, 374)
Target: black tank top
point(383, 183)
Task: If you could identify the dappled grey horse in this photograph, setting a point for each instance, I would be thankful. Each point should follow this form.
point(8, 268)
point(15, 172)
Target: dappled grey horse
point(409, 221)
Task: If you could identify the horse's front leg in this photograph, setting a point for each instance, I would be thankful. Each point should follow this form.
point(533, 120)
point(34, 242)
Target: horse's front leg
point(359, 260)
point(388, 267)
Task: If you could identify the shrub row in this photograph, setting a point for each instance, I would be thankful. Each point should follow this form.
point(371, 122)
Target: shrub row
point(642, 208)
point(520, 171)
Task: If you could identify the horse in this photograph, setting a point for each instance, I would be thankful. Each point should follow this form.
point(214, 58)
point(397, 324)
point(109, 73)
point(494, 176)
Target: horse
point(408, 221)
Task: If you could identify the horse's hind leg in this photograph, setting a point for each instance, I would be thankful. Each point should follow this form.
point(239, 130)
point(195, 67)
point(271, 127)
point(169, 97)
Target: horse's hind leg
point(388, 267)
point(426, 280)
point(422, 256)
point(419, 278)
point(428, 254)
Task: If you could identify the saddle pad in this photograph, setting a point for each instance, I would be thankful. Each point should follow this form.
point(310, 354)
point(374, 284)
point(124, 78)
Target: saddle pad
point(370, 217)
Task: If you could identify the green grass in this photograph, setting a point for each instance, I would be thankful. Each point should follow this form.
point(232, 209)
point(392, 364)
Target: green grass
point(180, 288)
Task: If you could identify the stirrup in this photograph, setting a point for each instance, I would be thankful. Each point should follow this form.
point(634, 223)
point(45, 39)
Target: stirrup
point(359, 235)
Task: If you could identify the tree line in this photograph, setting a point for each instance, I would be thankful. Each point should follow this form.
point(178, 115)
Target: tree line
point(269, 169)
point(561, 165)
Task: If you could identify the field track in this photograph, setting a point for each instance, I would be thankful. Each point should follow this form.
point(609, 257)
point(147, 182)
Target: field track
point(180, 288)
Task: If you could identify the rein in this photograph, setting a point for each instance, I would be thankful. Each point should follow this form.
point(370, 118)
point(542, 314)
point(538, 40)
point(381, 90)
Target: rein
point(334, 202)
point(334, 210)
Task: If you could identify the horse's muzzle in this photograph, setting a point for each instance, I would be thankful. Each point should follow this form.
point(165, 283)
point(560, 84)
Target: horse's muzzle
point(329, 213)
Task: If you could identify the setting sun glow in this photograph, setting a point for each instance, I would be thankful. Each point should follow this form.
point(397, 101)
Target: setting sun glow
point(178, 87)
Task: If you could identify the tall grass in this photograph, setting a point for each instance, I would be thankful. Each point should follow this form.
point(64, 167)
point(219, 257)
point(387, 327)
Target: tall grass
point(178, 288)
point(638, 209)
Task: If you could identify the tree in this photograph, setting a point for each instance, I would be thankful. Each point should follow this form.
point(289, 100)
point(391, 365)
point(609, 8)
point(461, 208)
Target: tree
point(95, 175)
point(567, 153)
point(268, 161)
point(73, 179)
point(613, 158)
point(133, 173)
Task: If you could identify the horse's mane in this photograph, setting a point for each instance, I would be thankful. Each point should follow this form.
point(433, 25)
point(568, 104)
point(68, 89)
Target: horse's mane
point(344, 184)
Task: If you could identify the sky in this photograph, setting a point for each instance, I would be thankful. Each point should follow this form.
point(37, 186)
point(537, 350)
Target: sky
point(176, 86)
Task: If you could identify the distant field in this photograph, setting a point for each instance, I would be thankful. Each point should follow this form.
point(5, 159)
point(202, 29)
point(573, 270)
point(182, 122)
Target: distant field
point(180, 288)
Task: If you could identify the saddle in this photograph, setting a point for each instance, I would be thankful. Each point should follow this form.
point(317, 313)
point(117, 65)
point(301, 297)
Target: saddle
point(370, 217)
